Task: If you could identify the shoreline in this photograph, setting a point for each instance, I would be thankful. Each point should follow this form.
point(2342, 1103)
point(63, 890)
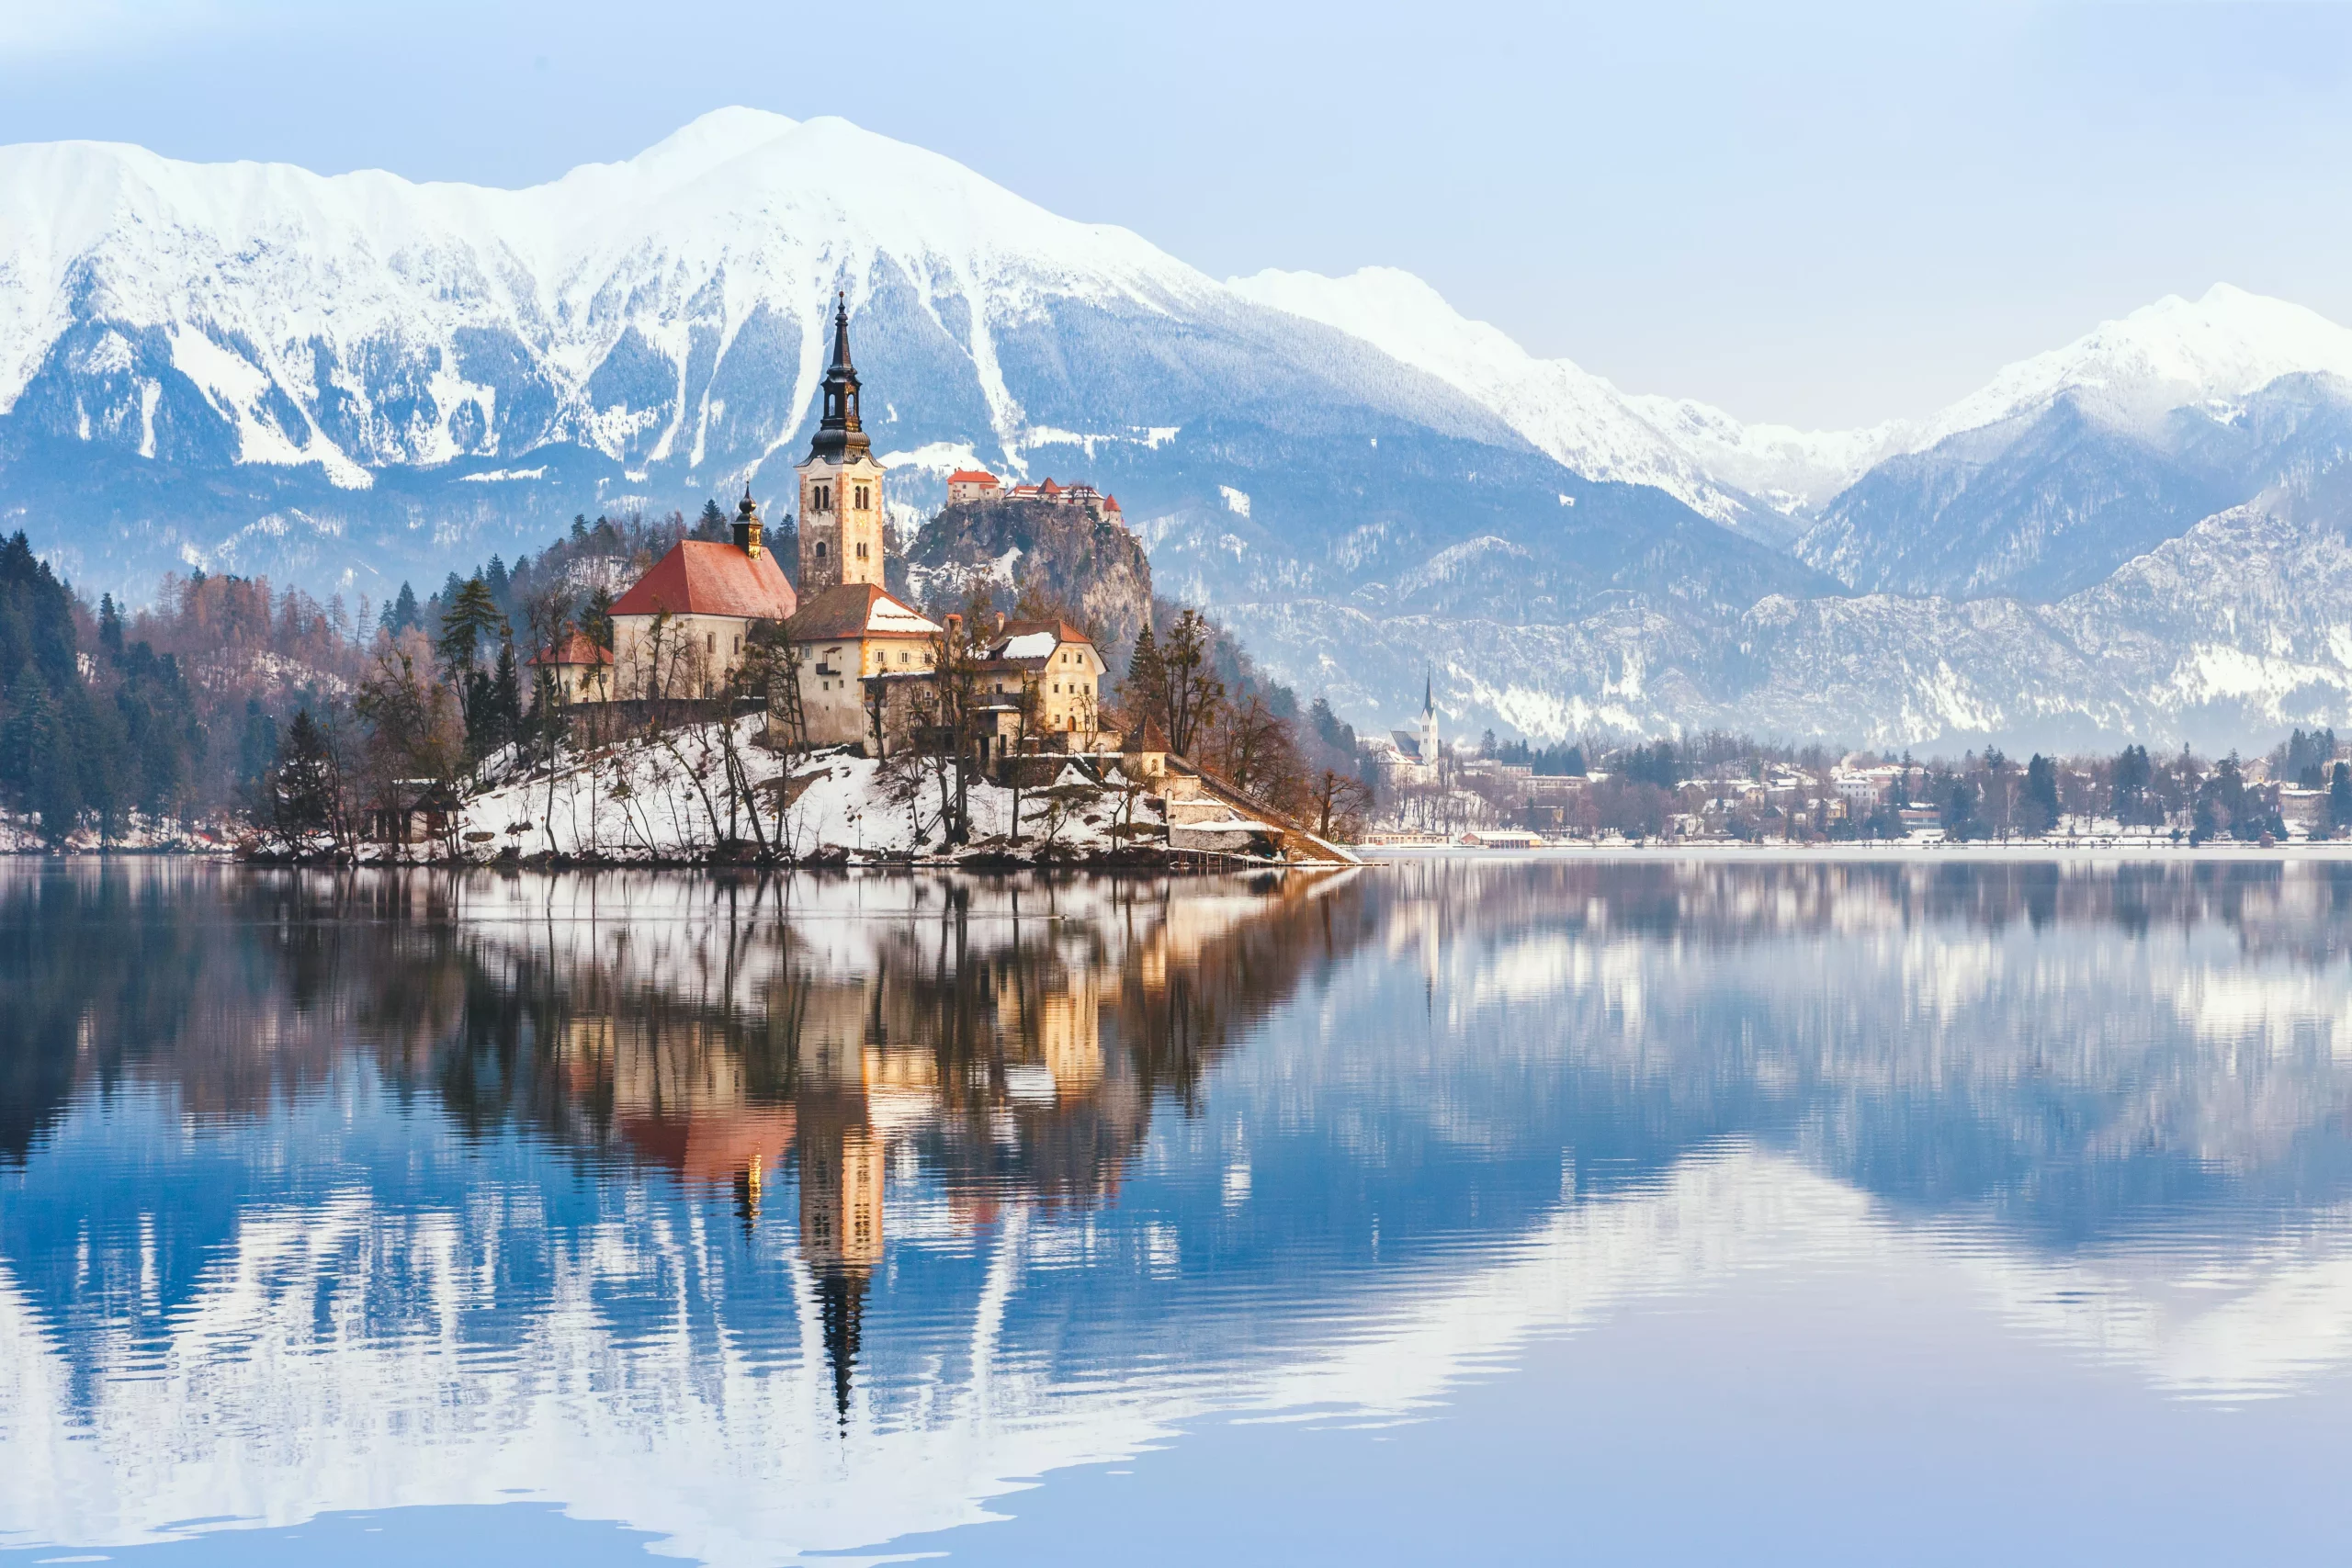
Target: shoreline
point(1980, 849)
point(1198, 862)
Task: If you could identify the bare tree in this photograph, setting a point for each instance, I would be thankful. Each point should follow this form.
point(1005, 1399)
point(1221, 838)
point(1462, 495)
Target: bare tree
point(1340, 800)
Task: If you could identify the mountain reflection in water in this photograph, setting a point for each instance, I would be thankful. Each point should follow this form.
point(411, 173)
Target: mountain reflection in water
point(807, 1214)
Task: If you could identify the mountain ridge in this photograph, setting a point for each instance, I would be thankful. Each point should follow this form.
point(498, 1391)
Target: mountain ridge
point(344, 380)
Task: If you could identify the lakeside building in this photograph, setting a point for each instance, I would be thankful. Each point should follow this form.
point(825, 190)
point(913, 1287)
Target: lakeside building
point(1064, 664)
point(850, 630)
point(1417, 758)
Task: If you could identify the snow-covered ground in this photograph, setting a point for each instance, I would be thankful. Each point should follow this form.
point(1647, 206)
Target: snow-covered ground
point(667, 799)
point(140, 834)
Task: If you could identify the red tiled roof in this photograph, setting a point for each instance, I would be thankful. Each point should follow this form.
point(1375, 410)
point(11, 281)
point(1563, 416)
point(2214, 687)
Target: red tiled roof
point(1049, 487)
point(704, 577)
point(1110, 503)
point(574, 649)
point(962, 476)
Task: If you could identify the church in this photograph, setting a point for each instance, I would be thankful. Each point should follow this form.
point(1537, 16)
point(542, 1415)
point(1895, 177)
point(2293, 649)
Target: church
point(848, 626)
point(682, 630)
point(1416, 755)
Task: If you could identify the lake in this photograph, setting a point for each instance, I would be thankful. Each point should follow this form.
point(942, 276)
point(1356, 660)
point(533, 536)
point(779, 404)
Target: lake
point(1564, 1209)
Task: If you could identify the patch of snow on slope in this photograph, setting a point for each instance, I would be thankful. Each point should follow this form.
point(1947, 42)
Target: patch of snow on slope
point(1566, 412)
point(937, 458)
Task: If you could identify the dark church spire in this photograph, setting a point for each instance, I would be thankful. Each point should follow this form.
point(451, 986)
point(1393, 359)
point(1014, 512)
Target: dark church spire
point(839, 435)
point(1429, 689)
point(841, 1304)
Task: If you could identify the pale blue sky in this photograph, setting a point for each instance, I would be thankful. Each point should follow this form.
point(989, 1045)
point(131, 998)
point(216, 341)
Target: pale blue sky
point(1826, 215)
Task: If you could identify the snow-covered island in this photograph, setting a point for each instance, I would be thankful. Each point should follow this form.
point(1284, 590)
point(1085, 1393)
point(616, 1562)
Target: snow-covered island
point(718, 794)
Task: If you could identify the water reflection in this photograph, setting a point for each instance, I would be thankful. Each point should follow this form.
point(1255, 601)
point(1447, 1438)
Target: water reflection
point(811, 1213)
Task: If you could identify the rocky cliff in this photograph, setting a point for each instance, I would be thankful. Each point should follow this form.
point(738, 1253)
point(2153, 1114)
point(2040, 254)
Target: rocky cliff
point(1092, 566)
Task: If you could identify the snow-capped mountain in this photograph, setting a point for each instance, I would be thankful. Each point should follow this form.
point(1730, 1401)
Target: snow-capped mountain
point(2211, 354)
point(2070, 464)
point(350, 381)
point(1567, 411)
point(356, 378)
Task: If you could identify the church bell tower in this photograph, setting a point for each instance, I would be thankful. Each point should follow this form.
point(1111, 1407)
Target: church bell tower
point(841, 484)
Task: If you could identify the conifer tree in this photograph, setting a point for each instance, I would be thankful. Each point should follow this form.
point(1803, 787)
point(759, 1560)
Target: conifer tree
point(468, 616)
point(302, 791)
point(1141, 690)
point(507, 694)
point(597, 619)
point(403, 612)
point(2040, 804)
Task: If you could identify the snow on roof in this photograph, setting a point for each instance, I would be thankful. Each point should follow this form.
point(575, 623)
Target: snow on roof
point(1032, 645)
point(889, 615)
point(856, 609)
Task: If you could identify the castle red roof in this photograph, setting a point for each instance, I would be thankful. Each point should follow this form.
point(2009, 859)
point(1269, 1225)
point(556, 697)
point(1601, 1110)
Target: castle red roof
point(577, 649)
point(967, 476)
point(704, 577)
point(1110, 503)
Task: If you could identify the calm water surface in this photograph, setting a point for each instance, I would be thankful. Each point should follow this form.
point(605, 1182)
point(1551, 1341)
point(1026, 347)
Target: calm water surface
point(1462, 1210)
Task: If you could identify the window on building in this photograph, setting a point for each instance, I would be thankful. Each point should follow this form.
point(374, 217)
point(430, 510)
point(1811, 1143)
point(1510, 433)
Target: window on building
point(820, 550)
point(710, 642)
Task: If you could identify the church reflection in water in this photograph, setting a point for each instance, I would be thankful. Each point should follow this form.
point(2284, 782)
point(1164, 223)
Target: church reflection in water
point(1009, 1038)
point(784, 1040)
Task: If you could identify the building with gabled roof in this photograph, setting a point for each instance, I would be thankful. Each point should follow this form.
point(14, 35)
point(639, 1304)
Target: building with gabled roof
point(681, 628)
point(1063, 661)
point(583, 671)
point(844, 637)
point(973, 484)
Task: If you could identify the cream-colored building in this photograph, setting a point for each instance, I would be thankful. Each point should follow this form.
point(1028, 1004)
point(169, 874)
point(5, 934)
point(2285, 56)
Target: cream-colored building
point(842, 637)
point(684, 628)
point(1065, 667)
point(842, 520)
point(967, 485)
